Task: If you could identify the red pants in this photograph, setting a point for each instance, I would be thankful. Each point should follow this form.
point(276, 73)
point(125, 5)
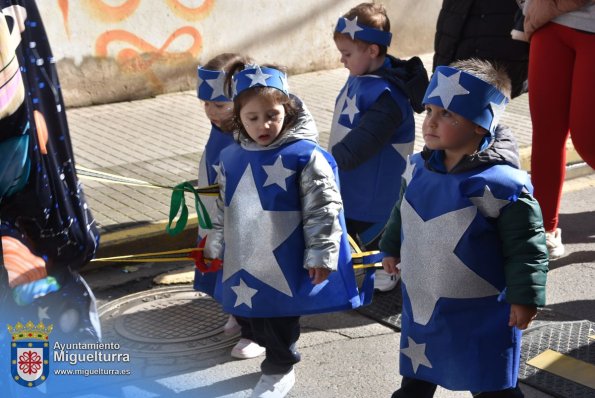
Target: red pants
point(562, 101)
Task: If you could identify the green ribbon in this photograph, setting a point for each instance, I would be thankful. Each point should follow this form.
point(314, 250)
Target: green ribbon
point(178, 201)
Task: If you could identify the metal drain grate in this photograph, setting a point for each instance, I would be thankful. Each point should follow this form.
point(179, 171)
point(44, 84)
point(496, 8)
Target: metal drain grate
point(385, 308)
point(569, 338)
point(169, 321)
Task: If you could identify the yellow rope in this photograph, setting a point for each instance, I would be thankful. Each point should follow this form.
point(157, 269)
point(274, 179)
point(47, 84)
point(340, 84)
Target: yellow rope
point(143, 257)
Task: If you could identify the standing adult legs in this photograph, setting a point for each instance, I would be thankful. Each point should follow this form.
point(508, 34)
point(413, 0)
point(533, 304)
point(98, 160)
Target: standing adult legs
point(582, 127)
point(551, 64)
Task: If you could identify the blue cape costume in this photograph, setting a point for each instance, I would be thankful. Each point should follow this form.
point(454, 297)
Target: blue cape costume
point(371, 190)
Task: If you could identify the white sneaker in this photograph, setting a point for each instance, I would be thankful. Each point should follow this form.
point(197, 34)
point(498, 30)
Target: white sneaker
point(385, 282)
point(274, 386)
point(231, 327)
point(553, 241)
point(245, 349)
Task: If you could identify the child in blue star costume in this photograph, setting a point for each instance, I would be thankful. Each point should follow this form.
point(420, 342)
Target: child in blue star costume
point(373, 128)
point(219, 109)
point(470, 240)
point(279, 226)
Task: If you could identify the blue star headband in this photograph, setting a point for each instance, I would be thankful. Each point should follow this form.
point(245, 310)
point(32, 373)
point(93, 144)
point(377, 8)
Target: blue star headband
point(256, 76)
point(363, 32)
point(461, 92)
point(211, 85)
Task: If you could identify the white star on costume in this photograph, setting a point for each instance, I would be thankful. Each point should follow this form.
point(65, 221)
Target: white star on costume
point(351, 108)
point(42, 313)
point(244, 294)
point(259, 77)
point(217, 168)
point(277, 174)
point(429, 267)
point(217, 85)
point(417, 354)
point(447, 88)
point(351, 27)
point(338, 131)
point(260, 231)
point(497, 110)
point(408, 173)
point(404, 149)
point(487, 204)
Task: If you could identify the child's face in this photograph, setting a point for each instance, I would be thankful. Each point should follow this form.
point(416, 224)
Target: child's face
point(219, 113)
point(263, 119)
point(357, 58)
point(449, 131)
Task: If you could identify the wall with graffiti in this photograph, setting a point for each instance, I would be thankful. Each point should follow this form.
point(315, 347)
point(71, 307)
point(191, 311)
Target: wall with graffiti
point(115, 50)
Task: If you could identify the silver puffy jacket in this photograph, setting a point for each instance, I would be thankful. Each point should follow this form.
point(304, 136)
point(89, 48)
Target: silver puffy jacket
point(320, 198)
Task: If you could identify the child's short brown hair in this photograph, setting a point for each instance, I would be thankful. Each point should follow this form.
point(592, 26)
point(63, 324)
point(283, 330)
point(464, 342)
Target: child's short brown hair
point(486, 71)
point(372, 15)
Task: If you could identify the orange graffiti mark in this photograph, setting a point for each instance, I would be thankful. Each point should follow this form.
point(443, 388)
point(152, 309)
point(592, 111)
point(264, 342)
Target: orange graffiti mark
point(63, 4)
point(109, 13)
point(145, 54)
point(191, 13)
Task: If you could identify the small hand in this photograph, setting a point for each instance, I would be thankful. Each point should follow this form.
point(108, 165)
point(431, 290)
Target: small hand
point(390, 265)
point(521, 315)
point(318, 275)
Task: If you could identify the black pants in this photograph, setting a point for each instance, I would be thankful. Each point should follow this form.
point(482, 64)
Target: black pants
point(413, 388)
point(278, 336)
point(245, 327)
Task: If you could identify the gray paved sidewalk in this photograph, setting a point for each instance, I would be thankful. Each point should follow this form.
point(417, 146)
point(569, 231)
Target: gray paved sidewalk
point(160, 140)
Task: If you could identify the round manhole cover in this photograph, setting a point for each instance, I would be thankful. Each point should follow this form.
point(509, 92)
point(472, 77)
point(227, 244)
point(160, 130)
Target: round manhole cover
point(165, 321)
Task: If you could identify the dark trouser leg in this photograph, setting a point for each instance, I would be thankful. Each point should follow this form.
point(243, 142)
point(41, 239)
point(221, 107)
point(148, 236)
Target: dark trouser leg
point(245, 327)
point(278, 336)
point(413, 388)
point(508, 393)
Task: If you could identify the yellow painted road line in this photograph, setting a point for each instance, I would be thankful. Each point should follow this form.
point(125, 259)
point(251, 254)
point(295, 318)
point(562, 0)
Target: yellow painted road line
point(575, 370)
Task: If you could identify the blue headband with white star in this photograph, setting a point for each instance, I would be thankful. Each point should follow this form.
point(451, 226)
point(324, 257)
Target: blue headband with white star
point(363, 32)
point(461, 92)
point(210, 85)
point(257, 76)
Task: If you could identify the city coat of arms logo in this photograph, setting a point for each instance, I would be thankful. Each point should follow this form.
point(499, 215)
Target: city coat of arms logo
point(29, 353)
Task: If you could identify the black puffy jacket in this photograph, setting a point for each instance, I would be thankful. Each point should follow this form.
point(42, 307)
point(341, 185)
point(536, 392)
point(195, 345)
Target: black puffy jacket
point(481, 29)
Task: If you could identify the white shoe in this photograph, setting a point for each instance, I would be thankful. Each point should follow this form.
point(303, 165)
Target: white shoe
point(553, 241)
point(231, 327)
point(385, 282)
point(245, 349)
point(274, 386)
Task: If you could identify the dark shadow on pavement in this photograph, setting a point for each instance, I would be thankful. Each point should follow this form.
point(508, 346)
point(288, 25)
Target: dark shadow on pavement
point(586, 309)
point(579, 257)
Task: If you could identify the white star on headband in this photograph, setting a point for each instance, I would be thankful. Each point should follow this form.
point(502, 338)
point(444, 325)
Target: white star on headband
point(217, 85)
point(497, 110)
point(234, 87)
point(447, 88)
point(284, 82)
point(200, 81)
point(351, 27)
point(258, 77)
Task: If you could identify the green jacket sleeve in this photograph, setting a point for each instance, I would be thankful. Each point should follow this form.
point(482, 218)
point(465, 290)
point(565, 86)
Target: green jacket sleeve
point(390, 243)
point(526, 260)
